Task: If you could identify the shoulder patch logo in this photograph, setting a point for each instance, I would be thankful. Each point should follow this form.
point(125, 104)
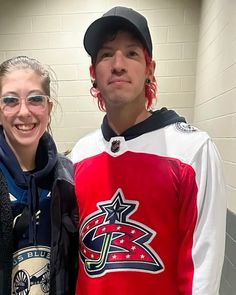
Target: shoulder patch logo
point(185, 127)
point(111, 241)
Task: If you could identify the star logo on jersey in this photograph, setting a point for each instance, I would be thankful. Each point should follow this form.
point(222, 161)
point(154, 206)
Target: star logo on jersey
point(111, 241)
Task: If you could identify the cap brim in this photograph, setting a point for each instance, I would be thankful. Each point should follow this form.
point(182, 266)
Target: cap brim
point(96, 31)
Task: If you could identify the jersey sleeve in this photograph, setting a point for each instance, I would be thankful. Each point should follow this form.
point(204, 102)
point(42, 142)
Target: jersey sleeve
point(209, 233)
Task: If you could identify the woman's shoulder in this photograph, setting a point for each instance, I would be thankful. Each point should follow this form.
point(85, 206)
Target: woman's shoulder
point(64, 167)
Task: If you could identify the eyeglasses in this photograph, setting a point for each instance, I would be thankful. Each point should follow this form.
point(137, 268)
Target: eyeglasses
point(12, 104)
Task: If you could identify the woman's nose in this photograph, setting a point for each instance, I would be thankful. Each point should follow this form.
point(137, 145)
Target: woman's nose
point(23, 109)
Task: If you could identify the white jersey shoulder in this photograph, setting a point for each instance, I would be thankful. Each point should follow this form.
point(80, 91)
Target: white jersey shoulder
point(183, 141)
point(179, 140)
point(87, 146)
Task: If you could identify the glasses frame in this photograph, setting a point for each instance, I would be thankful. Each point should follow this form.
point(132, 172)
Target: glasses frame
point(32, 106)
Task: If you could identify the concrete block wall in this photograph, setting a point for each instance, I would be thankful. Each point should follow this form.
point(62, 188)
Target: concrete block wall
point(215, 107)
point(196, 79)
point(52, 31)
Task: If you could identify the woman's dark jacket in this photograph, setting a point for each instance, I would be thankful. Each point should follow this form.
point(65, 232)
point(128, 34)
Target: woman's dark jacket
point(64, 218)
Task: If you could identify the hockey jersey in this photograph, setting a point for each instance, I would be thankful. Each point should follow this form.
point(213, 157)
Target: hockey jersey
point(152, 209)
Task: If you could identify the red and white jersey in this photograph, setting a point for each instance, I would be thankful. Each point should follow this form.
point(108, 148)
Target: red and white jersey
point(152, 213)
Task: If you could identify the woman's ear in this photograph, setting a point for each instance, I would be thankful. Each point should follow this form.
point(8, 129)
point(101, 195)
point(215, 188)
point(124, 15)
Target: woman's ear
point(50, 106)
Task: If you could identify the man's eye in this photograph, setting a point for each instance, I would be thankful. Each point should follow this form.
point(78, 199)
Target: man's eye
point(106, 54)
point(36, 99)
point(10, 100)
point(132, 53)
point(103, 55)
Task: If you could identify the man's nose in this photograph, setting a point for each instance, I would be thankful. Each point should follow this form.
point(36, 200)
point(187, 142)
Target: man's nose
point(118, 62)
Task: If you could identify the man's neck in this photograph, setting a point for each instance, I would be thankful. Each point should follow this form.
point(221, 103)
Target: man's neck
point(121, 120)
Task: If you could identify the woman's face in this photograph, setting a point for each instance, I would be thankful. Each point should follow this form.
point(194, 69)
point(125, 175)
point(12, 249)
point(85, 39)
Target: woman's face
point(25, 123)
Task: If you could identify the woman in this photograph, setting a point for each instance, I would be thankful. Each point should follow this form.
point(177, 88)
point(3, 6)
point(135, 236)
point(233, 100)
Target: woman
point(38, 212)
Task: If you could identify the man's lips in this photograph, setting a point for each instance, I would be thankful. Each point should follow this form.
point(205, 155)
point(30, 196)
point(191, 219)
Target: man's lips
point(118, 81)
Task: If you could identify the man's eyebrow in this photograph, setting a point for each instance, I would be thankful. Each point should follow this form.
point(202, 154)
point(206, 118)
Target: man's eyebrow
point(105, 47)
point(135, 44)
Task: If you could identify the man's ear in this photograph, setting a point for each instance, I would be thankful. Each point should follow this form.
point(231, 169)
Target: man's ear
point(92, 72)
point(151, 71)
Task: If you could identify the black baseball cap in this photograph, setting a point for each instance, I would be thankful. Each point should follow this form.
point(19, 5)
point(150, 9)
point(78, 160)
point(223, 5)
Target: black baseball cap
point(121, 18)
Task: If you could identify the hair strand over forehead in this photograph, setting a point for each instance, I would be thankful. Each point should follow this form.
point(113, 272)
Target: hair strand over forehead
point(25, 62)
point(47, 75)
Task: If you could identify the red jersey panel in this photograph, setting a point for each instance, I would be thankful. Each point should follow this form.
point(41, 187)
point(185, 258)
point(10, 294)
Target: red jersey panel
point(129, 219)
point(151, 209)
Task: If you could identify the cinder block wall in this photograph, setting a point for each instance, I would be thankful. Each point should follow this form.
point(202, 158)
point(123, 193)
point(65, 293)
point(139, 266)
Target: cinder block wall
point(215, 107)
point(52, 31)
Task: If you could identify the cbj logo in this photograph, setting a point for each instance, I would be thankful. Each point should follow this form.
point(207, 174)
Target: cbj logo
point(111, 241)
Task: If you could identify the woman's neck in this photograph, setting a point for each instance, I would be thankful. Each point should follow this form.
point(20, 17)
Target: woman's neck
point(24, 155)
point(26, 163)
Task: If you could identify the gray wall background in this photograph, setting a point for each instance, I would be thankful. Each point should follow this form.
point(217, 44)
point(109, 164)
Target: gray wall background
point(195, 50)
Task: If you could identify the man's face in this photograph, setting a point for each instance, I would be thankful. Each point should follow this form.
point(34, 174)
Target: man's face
point(121, 71)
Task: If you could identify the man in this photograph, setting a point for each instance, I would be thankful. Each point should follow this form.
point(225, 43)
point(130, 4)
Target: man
point(149, 186)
